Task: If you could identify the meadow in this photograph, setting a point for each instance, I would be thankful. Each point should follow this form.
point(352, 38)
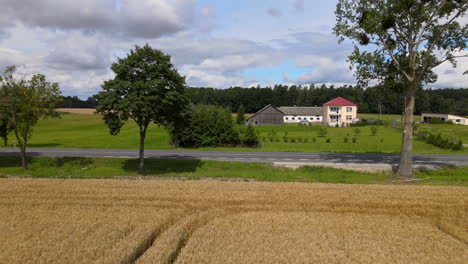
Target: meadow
point(89, 131)
point(112, 168)
point(128, 221)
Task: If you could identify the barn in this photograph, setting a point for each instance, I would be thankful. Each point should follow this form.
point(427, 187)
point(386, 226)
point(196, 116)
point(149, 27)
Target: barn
point(269, 115)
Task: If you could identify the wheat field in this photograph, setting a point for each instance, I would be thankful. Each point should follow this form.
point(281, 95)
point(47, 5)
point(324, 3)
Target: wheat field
point(130, 221)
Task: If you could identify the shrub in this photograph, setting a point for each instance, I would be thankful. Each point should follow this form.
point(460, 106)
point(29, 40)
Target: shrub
point(374, 130)
point(323, 131)
point(328, 140)
point(272, 135)
point(357, 131)
point(345, 140)
point(306, 140)
point(381, 140)
point(299, 139)
point(204, 125)
point(285, 137)
point(250, 138)
point(354, 139)
point(314, 140)
point(293, 140)
point(337, 125)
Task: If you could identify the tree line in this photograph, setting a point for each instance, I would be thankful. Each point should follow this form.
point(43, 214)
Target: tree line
point(375, 99)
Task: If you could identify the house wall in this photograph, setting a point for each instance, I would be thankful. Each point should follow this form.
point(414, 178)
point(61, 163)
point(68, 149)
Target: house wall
point(269, 116)
point(297, 119)
point(341, 114)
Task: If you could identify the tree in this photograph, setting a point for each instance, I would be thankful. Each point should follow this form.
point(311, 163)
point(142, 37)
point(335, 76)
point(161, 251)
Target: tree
point(5, 129)
point(250, 137)
point(23, 102)
point(240, 115)
point(405, 40)
point(146, 88)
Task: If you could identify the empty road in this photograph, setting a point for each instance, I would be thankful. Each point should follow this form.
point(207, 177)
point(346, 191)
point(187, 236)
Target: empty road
point(268, 157)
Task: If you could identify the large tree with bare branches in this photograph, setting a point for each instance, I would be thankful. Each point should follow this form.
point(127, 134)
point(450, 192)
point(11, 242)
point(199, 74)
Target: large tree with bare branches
point(402, 41)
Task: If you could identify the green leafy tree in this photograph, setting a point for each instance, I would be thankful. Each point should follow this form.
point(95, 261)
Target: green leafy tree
point(207, 126)
point(146, 88)
point(403, 40)
point(240, 115)
point(250, 137)
point(5, 129)
point(23, 102)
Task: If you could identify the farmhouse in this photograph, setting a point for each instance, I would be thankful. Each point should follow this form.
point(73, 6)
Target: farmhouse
point(338, 111)
point(459, 120)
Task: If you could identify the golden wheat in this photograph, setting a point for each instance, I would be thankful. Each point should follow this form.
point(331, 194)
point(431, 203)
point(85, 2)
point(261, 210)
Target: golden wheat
point(118, 221)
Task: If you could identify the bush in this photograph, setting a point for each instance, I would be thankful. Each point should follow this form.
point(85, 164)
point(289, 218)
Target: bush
point(374, 130)
point(328, 140)
point(323, 131)
point(272, 135)
point(357, 131)
point(345, 140)
point(381, 140)
point(306, 140)
point(285, 137)
point(314, 140)
point(250, 138)
point(354, 140)
point(293, 140)
point(207, 126)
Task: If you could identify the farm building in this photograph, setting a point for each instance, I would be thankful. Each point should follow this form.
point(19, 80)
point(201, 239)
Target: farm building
point(338, 111)
point(269, 115)
point(459, 120)
point(301, 114)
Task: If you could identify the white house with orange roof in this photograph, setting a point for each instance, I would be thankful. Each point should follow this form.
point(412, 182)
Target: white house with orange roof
point(339, 112)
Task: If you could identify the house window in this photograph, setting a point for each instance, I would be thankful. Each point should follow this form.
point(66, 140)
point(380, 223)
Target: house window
point(458, 120)
point(334, 109)
point(349, 109)
point(348, 117)
point(305, 118)
point(293, 118)
point(312, 118)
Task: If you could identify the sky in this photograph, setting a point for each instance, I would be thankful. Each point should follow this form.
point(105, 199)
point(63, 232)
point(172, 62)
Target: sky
point(213, 43)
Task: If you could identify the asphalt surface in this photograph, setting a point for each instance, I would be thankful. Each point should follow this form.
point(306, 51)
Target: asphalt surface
point(267, 157)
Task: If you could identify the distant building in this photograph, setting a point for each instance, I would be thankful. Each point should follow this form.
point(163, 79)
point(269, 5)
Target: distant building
point(339, 112)
point(269, 115)
point(296, 115)
point(459, 120)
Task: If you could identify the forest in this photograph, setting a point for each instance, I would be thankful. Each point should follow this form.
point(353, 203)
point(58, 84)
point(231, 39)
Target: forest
point(374, 99)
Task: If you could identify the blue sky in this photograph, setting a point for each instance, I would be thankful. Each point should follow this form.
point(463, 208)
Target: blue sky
point(213, 43)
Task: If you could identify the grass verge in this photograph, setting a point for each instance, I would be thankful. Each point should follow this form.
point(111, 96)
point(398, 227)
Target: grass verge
point(105, 168)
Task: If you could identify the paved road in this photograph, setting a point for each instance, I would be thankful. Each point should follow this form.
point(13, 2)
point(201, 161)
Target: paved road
point(268, 157)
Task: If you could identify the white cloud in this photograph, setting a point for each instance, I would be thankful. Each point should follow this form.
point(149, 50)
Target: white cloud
point(144, 18)
point(203, 79)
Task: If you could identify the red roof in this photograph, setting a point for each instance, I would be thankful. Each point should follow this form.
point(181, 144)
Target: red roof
point(340, 101)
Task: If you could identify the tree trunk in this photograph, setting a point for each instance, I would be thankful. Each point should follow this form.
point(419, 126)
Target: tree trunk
point(24, 161)
point(405, 168)
point(141, 167)
point(5, 141)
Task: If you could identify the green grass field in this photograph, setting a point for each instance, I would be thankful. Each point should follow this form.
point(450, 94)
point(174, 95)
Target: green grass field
point(89, 131)
point(105, 168)
point(458, 131)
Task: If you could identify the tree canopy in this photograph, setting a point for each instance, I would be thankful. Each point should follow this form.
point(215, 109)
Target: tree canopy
point(146, 88)
point(23, 102)
point(404, 41)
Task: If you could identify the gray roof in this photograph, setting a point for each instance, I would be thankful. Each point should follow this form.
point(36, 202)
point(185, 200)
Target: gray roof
point(301, 110)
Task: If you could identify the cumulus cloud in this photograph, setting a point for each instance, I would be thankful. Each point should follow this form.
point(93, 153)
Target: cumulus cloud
point(274, 12)
point(145, 18)
point(203, 79)
point(299, 5)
